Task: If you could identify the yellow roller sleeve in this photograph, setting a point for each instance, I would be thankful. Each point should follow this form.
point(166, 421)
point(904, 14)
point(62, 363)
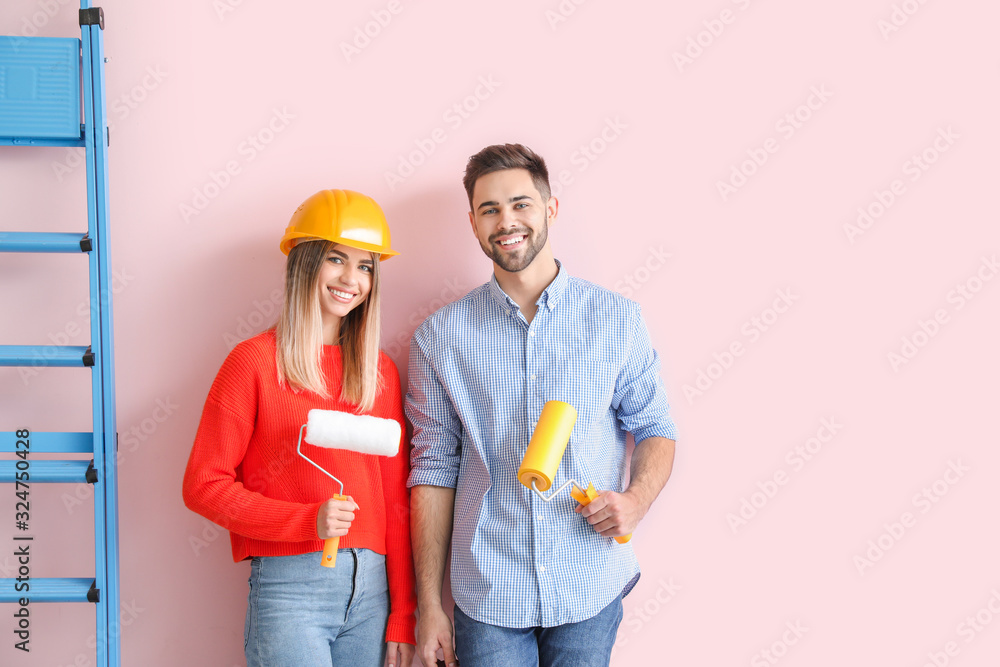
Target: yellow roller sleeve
point(548, 443)
point(330, 545)
point(585, 497)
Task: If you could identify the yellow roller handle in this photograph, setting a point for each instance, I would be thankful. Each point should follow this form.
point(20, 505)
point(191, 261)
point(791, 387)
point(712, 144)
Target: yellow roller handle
point(548, 443)
point(331, 544)
point(585, 497)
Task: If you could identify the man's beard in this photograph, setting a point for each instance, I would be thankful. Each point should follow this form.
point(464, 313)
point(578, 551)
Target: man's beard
point(518, 262)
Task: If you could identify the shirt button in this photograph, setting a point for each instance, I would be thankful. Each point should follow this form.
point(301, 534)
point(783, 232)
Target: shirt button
point(531, 333)
point(542, 568)
point(532, 376)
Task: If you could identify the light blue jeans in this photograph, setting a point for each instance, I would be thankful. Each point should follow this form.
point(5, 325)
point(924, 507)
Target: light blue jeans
point(584, 644)
point(301, 614)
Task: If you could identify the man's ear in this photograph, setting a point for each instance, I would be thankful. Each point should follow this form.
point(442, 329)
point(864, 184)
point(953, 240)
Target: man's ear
point(552, 206)
point(472, 222)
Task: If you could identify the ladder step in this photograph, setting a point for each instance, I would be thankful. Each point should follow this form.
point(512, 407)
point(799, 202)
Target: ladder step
point(56, 472)
point(50, 589)
point(44, 242)
point(40, 441)
point(45, 355)
point(40, 141)
point(40, 95)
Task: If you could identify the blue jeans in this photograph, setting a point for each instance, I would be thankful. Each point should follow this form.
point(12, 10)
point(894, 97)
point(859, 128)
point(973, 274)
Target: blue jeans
point(584, 644)
point(301, 614)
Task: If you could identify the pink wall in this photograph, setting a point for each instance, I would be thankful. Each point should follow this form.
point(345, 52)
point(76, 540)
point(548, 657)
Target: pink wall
point(191, 82)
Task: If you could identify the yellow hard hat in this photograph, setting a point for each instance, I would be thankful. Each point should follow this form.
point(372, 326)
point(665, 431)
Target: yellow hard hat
point(341, 216)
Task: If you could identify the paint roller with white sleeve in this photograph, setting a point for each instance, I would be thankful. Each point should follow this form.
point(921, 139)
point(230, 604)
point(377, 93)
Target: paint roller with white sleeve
point(358, 433)
point(364, 434)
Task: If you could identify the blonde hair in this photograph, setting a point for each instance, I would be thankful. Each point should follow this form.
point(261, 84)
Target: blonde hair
point(299, 332)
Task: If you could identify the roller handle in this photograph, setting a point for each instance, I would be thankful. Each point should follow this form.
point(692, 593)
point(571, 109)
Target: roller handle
point(584, 496)
point(331, 544)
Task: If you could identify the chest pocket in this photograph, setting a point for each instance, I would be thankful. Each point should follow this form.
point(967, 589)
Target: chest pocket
point(581, 375)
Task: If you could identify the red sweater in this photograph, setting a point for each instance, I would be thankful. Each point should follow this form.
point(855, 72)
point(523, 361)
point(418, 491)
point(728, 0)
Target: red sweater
point(245, 475)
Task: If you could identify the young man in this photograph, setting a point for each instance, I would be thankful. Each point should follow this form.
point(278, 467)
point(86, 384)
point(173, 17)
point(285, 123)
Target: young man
point(533, 582)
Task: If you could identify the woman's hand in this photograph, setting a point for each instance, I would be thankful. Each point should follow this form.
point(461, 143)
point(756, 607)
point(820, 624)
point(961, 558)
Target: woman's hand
point(398, 654)
point(335, 517)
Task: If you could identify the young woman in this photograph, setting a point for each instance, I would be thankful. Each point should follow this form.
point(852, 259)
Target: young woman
point(244, 473)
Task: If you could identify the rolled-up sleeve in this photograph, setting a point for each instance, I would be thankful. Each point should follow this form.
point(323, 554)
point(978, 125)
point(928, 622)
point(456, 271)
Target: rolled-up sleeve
point(437, 430)
point(640, 398)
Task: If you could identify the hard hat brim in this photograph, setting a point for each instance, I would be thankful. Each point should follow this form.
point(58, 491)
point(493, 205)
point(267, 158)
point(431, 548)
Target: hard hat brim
point(293, 238)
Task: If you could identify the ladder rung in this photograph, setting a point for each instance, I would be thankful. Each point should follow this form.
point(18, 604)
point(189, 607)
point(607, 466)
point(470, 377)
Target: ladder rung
point(40, 141)
point(44, 242)
point(57, 472)
point(45, 355)
point(47, 589)
point(41, 89)
point(41, 441)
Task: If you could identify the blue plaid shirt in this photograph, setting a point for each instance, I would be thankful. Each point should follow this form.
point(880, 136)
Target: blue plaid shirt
point(479, 375)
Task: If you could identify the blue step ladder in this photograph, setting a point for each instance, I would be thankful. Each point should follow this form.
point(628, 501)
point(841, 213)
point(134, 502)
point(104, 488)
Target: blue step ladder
point(40, 100)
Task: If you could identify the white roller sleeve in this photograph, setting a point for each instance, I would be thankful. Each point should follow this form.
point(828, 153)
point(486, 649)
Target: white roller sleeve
point(358, 433)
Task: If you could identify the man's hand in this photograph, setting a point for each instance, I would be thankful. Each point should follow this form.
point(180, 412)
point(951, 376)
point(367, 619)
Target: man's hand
point(617, 514)
point(434, 631)
point(613, 514)
point(398, 654)
point(334, 517)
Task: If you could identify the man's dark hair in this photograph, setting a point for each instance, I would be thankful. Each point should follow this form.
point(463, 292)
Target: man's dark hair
point(507, 156)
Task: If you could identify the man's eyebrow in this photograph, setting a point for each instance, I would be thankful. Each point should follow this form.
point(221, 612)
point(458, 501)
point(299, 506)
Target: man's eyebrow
point(511, 200)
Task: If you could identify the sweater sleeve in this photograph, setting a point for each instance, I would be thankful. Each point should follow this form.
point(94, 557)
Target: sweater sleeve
point(399, 556)
point(211, 485)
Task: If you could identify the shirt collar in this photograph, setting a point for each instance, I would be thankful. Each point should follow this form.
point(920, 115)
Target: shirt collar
point(549, 298)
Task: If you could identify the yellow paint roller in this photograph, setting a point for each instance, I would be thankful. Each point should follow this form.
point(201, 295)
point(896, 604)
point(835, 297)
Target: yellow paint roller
point(545, 451)
point(332, 429)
